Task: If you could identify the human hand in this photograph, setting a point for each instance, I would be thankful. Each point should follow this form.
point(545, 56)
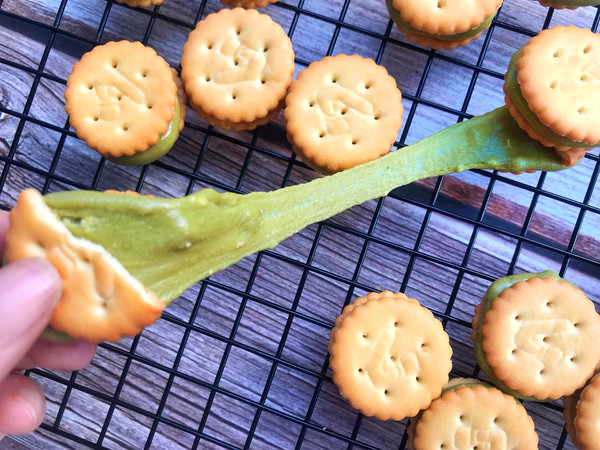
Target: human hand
point(29, 290)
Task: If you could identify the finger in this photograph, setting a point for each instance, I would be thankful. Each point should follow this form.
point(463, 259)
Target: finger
point(29, 290)
point(58, 355)
point(3, 228)
point(22, 405)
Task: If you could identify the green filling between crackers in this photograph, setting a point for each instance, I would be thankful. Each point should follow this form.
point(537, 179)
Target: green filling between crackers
point(514, 90)
point(198, 235)
point(408, 28)
point(152, 153)
point(493, 292)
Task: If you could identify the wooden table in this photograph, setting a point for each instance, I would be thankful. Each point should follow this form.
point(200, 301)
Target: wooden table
point(240, 360)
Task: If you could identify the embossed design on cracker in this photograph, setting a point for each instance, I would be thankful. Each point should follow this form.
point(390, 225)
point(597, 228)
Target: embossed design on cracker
point(121, 98)
point(552, 88)
point(342, 111)
point(389, 356)
point(472, 416)
point(442, 24)
point(237, 66)
point(100, 300)
point(540, 329)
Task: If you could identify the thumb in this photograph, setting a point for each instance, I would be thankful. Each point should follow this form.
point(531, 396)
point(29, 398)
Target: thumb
point(29, 290)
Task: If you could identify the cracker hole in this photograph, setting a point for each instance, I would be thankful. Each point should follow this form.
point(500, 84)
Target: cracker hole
point(125, 128)
point(576, 324)
point(311, 104)
point(549, 304)
point(265, 50)
point(418, 379)
point(513, 351)
point(149, 106)
point(334, 80)
point(396, 323)
point(96, 119)
point(368, 86)
point(90, 87)
point(424, 346)
point(119, 98)
point(386, 392)
point(233, 96)
point(343, 112)
point(581, 110)
point(461, 418)
point(542, 371)
point(238, 32)
point(440, 4)
point(553, 85)
point(263, 81)
point(587, 49)
point(518, 317)
point(360, 370)
point(365, 335)
point(393, 358)
point(495, 420)
point(545, 339)
point(573, 359)
point(322, 134)
point(209, 46)
point(236, 62)
point(208, 78)
point(144, 74)
point(354, 142)
point(377, 117)
point(114, 65)
point(556, 54)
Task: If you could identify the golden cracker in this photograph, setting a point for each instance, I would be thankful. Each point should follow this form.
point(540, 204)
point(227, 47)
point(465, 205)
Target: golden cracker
point(559, 75)
point(544, 330)
point(587, 418)
point(446, 16)
point(237, 126)
point(100, 300)
point(475, 417)
point(343, 110)
point(237, 65)
point(439, 44)
point(390, 357)
point(120, 98)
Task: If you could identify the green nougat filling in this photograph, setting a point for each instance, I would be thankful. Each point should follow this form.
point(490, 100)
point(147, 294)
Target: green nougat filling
point(157, 150)
point(514, 90)
point(408, 28)
point(493, 292)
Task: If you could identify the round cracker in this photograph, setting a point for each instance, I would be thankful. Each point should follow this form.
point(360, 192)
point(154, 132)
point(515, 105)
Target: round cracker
point(446, 16)
point(390, 357)
point(472, 417)
point(237, 65)
point(120, 98)
point(343, 110)
point(559, 76)
point(587, 418)
point(539, 338)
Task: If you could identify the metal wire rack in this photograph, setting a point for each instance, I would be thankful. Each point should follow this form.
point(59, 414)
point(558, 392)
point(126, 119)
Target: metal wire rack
point(240, 361)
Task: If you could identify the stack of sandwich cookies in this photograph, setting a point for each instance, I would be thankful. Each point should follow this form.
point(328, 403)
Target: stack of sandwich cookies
point(342, 111)
point(443, 24)
point(535, 336)
point(122, 101)
point(471, 415)
point(237, 66)
point(552, 89)
point(582, 415)
point(389, 356)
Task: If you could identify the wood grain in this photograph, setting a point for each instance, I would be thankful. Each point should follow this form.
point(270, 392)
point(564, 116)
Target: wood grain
point(240, 360)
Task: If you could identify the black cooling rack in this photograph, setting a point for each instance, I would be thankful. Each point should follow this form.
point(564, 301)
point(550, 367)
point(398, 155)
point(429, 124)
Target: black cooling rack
point(240, 360)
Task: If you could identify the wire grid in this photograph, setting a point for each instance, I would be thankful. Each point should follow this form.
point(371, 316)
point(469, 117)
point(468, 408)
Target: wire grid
point(308, 431)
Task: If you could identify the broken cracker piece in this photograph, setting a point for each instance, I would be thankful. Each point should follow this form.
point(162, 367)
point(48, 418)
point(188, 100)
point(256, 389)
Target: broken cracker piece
point(101, 300)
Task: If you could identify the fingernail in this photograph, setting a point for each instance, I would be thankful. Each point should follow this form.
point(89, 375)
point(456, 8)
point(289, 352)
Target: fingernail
point(33, 405)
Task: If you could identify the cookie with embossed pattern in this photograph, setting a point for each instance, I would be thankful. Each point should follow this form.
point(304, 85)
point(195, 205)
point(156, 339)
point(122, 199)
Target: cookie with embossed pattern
point(389, 356)
point(552, 89)
point(472, 415)
point(237, 65)
point(122, 101)
point(342, 111)
point(443, 24)
point(536, 336)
